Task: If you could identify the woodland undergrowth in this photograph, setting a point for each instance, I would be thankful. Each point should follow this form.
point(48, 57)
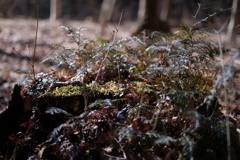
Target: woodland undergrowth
point(150, 96)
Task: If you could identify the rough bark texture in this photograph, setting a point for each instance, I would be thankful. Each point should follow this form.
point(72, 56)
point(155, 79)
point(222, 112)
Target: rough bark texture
point(148, 17)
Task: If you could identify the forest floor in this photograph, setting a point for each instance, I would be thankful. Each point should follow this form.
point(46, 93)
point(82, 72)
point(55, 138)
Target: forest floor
point(20, 35)
point(17, 44)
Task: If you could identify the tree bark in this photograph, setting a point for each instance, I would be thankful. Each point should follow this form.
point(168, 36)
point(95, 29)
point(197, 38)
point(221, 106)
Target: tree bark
point(165, 10)
point(233, 27)
point(73, 8)
point(105, 14)
point(55, 10)
point(148, 17)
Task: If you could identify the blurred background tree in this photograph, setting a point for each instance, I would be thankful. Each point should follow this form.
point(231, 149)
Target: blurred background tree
point(82, 8)
point(234, 24)
point(105, 14)
point(55, 9)
point(149, 14)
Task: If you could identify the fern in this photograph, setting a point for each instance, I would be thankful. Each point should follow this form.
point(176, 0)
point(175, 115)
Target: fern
point(212, 16)
point(140, 94)
point(54, 110)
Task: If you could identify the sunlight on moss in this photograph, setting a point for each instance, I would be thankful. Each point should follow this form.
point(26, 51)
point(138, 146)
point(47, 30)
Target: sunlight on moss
point(142, 87)
point(67, 91)
point(113, 87)
point(96, 88)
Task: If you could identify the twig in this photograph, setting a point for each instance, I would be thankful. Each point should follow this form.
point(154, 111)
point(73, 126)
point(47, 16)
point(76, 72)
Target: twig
point(35, 46)
point(124, 154)
point(109, 30)
point(42, 58)
point(109, 47)
point(33, 56)
point(118, 158)
point(21, 56)
point(199, 6)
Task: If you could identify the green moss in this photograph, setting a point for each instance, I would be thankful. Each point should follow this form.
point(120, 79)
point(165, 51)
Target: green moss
point(96, 88)
point(105, 89)
point(113, 87)
point(142, 87)
point(66, 91)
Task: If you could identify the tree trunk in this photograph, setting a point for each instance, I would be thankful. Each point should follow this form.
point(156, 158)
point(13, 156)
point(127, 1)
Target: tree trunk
point(105, 14)
point(234, 21)
point(148, 17)
point(55, 10)
point(165, 10)
point(74, 8)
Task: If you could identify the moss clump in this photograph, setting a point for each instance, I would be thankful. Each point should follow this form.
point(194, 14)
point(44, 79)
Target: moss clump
point(141, 87)
point(96, 89)
point(110, 87)
point(113, 87)
point(66, 91)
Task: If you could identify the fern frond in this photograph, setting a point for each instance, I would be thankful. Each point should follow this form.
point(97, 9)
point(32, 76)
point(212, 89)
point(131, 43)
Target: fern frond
point(55, 110)
point(211, 17)
point(56, 131)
